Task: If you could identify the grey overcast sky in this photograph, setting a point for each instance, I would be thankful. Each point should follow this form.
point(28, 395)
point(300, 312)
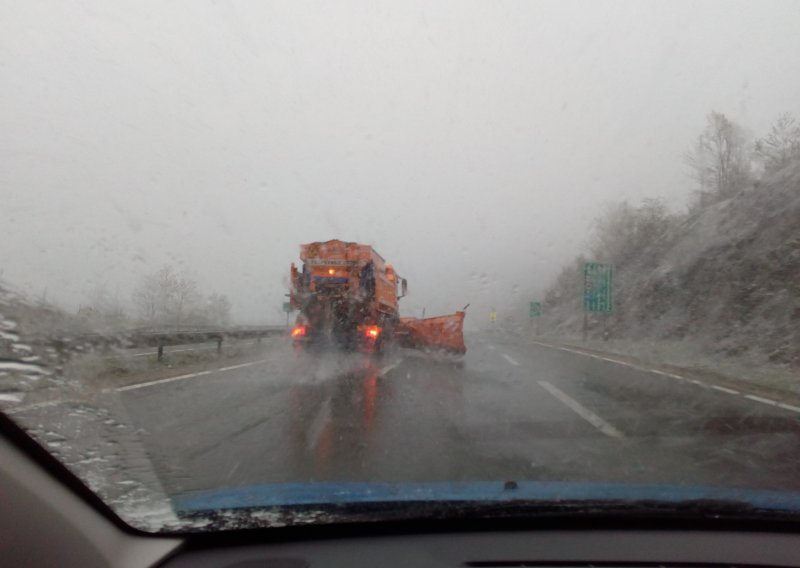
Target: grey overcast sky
point(470, 142)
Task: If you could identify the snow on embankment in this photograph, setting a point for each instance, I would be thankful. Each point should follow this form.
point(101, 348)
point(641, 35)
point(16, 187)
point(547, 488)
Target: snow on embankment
point(727, 280)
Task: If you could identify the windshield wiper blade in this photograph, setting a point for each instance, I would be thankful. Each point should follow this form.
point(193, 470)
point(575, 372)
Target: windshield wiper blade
point(371, 512)
point(696, 508)
point(346, 502)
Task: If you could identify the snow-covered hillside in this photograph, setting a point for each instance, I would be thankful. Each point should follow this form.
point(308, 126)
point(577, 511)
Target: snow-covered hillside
point(727, 279)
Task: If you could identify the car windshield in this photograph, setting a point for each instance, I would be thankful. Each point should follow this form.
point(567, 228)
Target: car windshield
point(281, 263)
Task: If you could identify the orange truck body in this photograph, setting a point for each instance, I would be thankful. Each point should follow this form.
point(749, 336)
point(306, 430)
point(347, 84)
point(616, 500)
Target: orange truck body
point(348, 291)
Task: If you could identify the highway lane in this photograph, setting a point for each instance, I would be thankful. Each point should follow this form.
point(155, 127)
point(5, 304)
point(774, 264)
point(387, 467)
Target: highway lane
point(509, 410)
point(676, 431)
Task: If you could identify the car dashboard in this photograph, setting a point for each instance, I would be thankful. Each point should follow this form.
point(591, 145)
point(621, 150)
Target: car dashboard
point(48, 519)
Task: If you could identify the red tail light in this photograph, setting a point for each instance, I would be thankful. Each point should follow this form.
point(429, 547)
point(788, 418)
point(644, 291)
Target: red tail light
point(299, 331)
point(372, 332)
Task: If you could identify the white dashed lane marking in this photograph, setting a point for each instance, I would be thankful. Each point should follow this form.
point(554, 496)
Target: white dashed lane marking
point(388, 368)
point(510, 360)
point(582, 411)
point(317, 426)
point(724, 389)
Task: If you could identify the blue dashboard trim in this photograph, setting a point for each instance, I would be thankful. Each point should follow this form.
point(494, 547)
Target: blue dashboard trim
point(288, 494)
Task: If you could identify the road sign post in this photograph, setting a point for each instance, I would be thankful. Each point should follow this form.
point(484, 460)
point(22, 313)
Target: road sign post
point(535, 313)
point(287, 307)
point(598, 292)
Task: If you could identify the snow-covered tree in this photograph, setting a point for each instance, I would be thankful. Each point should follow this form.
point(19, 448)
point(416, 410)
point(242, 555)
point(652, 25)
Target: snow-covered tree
point(719, 160)
point(781, 146)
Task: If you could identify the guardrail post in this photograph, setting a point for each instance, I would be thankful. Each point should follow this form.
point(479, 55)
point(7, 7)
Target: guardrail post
point(219, 345)
point(160, 351)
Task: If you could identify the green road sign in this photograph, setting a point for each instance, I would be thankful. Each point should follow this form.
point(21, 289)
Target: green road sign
point(598, 293)
point(287, 307)
point(536, 309)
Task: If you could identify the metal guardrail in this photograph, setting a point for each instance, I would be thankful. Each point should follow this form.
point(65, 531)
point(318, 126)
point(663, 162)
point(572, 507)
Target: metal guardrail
point(159, 339)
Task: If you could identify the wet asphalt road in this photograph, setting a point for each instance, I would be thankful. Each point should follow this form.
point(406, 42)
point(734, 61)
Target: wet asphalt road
point(510, 409)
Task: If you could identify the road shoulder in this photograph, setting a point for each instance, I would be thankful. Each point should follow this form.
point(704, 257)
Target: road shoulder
point(724, 382)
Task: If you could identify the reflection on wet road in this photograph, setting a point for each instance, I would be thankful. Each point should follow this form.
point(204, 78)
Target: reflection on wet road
point(508, 410)
point(511, 409)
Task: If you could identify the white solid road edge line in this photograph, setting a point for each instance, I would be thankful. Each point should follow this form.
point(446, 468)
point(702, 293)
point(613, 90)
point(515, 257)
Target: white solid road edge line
point(768, 401)
point(187, 376)
point(162, 381)
point(623, 363)
point(510, 360)
point(235, 366)
point(678, 377)
point(582, 411)
point(760, 399)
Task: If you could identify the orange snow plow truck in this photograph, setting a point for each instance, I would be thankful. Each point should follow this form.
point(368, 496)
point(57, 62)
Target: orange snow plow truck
point(347, 292)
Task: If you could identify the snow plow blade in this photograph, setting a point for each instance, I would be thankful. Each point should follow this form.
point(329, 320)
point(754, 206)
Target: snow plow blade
point(444, 333)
